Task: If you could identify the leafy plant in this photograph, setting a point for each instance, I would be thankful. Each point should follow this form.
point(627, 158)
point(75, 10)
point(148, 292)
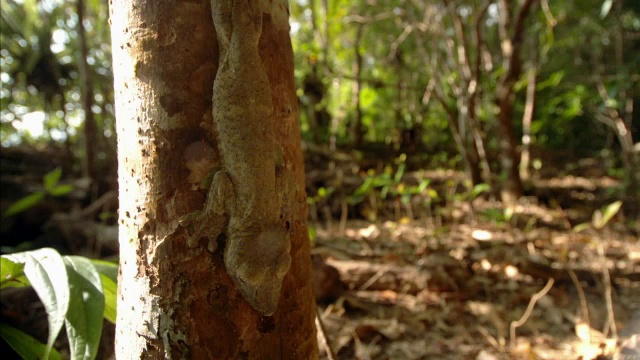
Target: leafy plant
point(499, 216)
point(76, 292)
point(322, 194)
point(51, 187)
point(600, 217)
point(388, 182)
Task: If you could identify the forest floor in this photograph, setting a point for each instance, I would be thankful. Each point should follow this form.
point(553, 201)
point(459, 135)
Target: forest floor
point(471, 281)
point(448, 273)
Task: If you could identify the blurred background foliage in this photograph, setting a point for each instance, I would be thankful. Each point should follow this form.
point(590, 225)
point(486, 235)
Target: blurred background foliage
point(419, 77)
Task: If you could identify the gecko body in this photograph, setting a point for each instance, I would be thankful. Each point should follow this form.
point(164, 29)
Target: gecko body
point(246, 197)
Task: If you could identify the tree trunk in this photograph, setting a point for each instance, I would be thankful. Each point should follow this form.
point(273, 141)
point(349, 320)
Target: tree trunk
point(509, 156)
point(471, 162)
point(527, 118)
point(511, 38)
point(357, 131)
point(86, 81)
point(175, 301)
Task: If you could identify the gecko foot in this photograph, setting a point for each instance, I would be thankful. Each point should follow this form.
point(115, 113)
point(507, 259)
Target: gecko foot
point(200, 225)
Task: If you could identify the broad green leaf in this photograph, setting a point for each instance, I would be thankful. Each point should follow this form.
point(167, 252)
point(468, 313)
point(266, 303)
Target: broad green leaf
point(47, 273)
point(86, 308)
point(108, 268)
point(24, 203)
point(110, 290)
point(603, 216)
point(61, 190)
point(25, 345)
point(51, 179)
point(109, 276)
point(12, 274)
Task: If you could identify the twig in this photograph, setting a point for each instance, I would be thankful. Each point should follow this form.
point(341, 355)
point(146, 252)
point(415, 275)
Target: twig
point(374, 278)
point(611, 321)
point(537, 296)
point(323, 336)
point(344, 214)
point(328, 218)
point(583, 298)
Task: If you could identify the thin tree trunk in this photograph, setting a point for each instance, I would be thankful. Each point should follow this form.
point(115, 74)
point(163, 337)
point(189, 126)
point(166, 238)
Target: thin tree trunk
point(509, 157)
point(86, 80)
point(471, 164)
point(177, 302)
point(527, 118)
point(357, 132)
point(511, 42)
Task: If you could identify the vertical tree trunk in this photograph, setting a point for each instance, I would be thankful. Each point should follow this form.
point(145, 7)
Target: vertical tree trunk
point(357, 131)
point(471, 163)
point(466, 92)
point(527, 117)
point(509, 157)
point(511, 38)
point(86, 93)
point(174, 301)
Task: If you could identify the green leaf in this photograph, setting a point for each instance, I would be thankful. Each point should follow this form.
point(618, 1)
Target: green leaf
point(479, 189)
point(365, 187)
point(106, 215)
point(109, 276)
point(25, 345)
point(603, 216)
point(61, 190)
point(508, 213)
point(108, 268)
point(384, 192)
point(51, 179)
point(399, 173)
point(86, 308)
point(581, 227)
point(432, 193)
point(47, 273)
point(24, 203)
point(12, 274)
point(312, 232)
point(110, 291)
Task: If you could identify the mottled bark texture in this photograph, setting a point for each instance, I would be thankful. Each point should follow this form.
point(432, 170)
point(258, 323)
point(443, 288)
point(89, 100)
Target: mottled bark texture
point(175, 301)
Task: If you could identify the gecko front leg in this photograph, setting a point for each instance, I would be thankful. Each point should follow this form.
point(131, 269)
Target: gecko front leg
point(211, 220)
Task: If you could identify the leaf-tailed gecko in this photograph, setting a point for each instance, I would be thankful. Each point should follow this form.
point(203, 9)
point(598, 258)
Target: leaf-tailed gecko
point(246, 197)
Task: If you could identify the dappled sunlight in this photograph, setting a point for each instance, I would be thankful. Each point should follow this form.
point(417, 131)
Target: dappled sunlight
point(422, 291)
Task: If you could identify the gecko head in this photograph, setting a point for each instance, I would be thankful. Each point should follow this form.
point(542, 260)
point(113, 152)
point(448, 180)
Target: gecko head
point(257, 265)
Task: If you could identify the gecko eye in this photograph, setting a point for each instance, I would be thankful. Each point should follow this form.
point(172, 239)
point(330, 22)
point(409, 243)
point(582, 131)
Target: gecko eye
point(287, 226)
